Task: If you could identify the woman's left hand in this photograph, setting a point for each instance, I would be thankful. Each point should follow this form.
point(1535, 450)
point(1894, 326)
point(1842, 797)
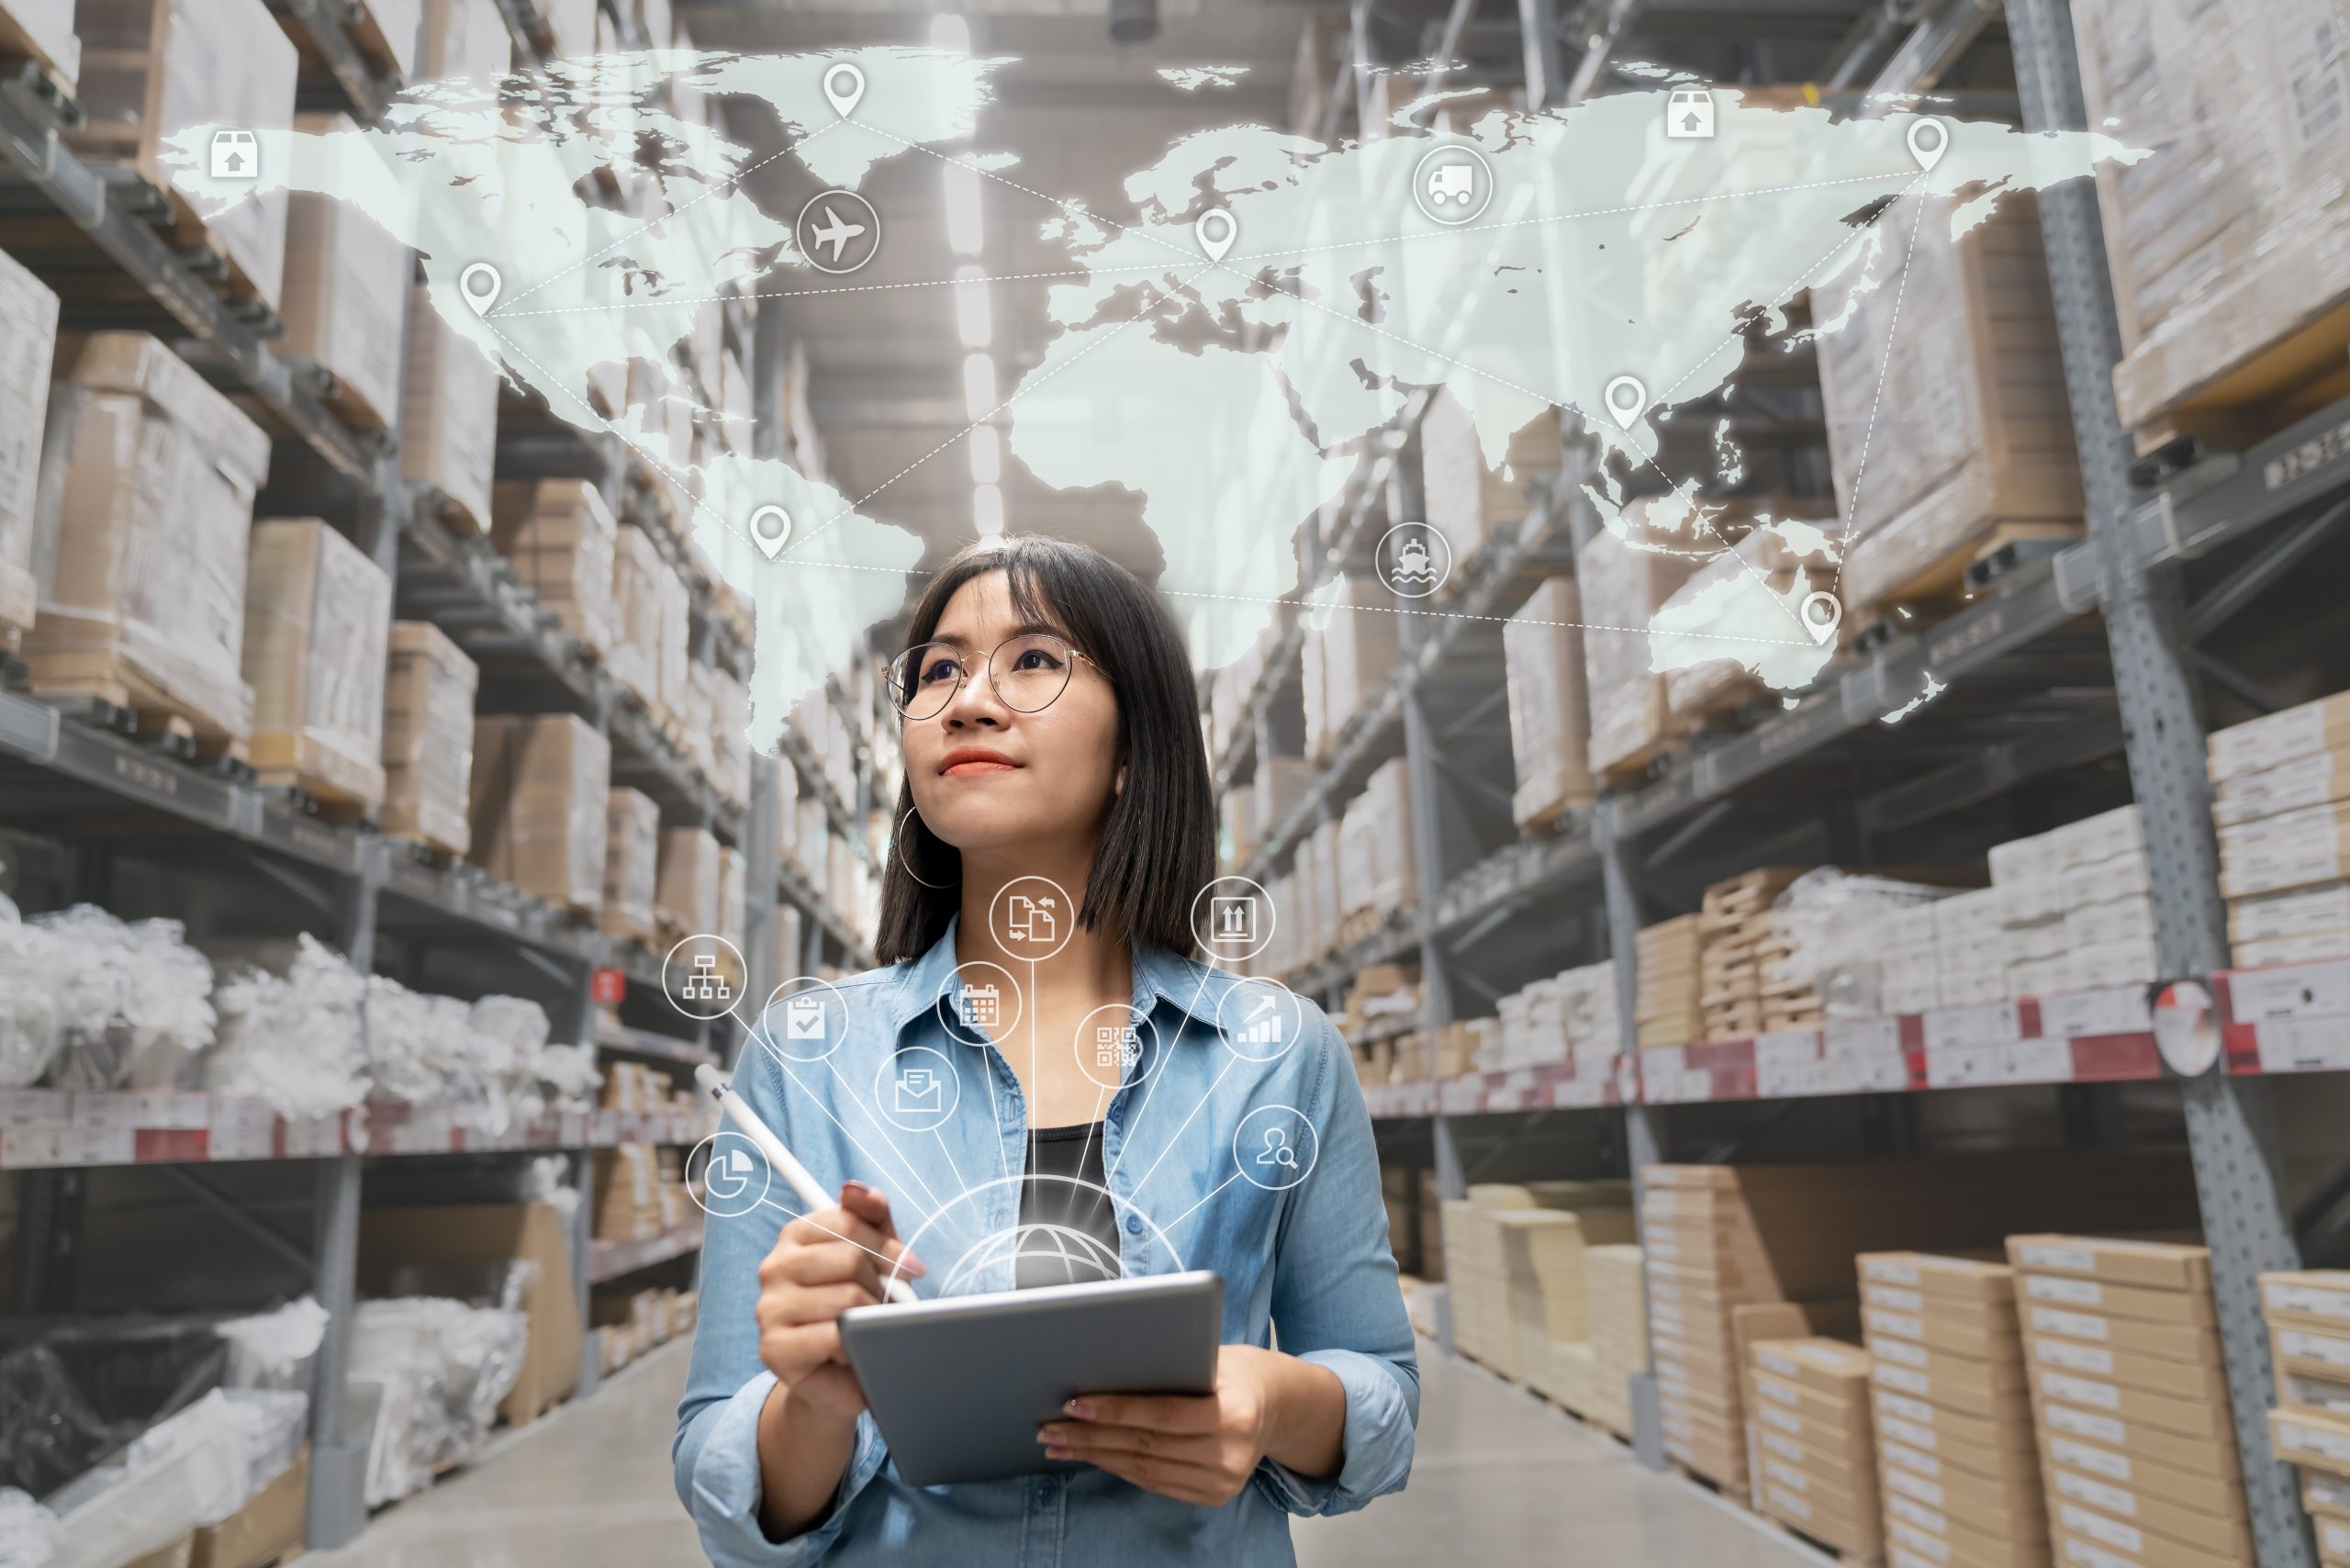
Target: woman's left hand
point(1194, 1448)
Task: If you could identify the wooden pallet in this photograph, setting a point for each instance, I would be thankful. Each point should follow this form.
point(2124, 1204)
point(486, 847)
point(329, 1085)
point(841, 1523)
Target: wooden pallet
point(1802, 1537)
point(1731, 1491)
point(424, 849)
point(120, 699)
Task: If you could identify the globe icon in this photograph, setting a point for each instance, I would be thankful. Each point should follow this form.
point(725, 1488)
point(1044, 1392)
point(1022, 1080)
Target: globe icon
point(1028, 1255)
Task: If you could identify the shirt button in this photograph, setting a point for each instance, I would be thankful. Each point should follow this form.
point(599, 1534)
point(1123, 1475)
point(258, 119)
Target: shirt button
point(1134, 1224)
point(1044, 1489)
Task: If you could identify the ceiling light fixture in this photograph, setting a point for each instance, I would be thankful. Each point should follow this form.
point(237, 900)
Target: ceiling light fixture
point(986, 456)
point(979, 385)
point(974, 317)
point(987, 510)
point(965, 231)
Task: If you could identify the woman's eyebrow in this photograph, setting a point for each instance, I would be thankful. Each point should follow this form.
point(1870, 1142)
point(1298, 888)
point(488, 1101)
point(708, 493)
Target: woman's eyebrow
point(1037, 628)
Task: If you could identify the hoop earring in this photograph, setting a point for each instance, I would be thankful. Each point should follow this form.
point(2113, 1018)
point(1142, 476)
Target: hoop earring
point(898, 843)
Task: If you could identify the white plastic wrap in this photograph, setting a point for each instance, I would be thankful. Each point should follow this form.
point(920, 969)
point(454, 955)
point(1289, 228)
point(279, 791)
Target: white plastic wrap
point(27, 1531)
point(297, 1042)
point(31, 1030)
point(133, 1001)
point(191, 1469)
point(1833, 924)
point(570, 1076)
point(273, 1349)
point(438, 1370)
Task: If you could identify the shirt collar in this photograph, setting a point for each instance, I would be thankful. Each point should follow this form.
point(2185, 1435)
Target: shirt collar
point(1192, 987)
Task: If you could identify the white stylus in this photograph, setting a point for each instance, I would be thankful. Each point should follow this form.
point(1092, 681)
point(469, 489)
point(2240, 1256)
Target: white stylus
point(780, 1157)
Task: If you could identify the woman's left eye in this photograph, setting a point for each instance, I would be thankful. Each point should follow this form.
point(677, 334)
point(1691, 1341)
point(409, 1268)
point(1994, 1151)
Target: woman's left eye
point(1035, 658)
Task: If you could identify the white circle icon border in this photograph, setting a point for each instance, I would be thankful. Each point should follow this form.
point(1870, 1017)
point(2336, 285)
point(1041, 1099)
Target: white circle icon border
point(807, 251)
point(834, 1005)
point(670, 991)
point(950, 1094)
point(1021, 947)
point(1229, 952)
point(952, 1017)
point(1260, 984)
point(1470, 210)
point(708, 1149)
point(1381, 557)
point(1143, 1023)
point(1303, 1170)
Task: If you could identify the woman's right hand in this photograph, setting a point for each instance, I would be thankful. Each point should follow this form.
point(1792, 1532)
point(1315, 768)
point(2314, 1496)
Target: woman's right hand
point(822, 1265)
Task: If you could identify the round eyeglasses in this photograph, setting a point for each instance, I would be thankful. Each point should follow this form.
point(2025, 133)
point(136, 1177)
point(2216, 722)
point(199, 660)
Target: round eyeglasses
point(1027, 673)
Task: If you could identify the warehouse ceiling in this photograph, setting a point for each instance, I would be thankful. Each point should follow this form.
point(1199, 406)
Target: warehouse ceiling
point(1082, 113)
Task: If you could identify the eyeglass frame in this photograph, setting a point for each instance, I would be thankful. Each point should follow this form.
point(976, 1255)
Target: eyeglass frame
point(986, 665)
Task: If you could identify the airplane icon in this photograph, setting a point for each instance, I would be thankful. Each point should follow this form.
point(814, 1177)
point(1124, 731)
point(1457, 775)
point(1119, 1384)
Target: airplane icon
point(833, 231)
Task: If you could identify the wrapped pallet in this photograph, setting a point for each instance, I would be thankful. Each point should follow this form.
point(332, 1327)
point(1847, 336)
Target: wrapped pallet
point(27, 343)
point(685, 899)
point(632, 864)
point(152, 69)
point(558, 534)
point(147, 497)
point(1349, 660)
point(318, 620)
point(42, 31)
point(1626, 584)
point(2230, 243)
point(449, 417)
point(1465, 501)
point(541, 785)
point(1958, 369)
point(346, 295)
point(1548, 727)
point(429, 686)
point(639, 610)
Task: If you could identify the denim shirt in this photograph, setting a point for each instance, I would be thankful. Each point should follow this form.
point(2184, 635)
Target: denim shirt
point(1309, 1260)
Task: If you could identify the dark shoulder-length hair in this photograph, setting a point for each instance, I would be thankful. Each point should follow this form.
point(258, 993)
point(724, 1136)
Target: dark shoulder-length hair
point(1159, 848)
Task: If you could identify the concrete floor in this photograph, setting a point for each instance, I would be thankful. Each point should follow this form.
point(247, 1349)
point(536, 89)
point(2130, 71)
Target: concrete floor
point(1499, 1480)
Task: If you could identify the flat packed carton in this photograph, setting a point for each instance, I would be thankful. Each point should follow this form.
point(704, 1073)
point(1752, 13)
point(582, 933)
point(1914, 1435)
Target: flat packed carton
point(317, 621)
point(147, 500)
point(540, 789)
point(27, 343)
point(429, 686)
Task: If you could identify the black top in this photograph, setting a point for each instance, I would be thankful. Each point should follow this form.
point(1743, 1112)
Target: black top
point(1068, 1234)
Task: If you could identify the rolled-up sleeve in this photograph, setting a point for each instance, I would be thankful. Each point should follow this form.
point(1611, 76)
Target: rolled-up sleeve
point(716, 1452)
point(718, 1477)
point(1337, 1302)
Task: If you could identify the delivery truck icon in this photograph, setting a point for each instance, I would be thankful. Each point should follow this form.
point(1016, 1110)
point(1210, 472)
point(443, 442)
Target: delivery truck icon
point(1453, 182)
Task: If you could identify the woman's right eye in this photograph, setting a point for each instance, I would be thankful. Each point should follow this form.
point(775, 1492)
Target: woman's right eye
point(936, 670)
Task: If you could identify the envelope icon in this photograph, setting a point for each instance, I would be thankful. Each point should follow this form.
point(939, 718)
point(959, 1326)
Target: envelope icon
point(920, 1089)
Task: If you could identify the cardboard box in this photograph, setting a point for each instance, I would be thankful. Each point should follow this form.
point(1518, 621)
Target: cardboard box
point(152, 69)
point(1960, 1279)
point(1549, 710)
point(1975, 1535)
point(1922, 1450)
point(2184, 1417)
point(427, 752)
point(346, 292)
point(1348, 662)
point(539, 794)
point(2181, 1380)
point(268, 1527)
point(2316, 1298)
point(2314, 1443)
point(147, 500)
point(685, 891)
point(449, 417)
point(317, 623)
point(559, 536)
point(2188, 1308)
point(43, 31)
point(1630, 723)
point(2089, 1539)
point(2217, 1494)
point(2009, 1427)
point(632, 864)
point(476, 1234)
point(2150, 1265)
point(2172, 1341)
point(627, 1193)
point(27, 343)
point(1906, 1332)
point(638, 613)
point(2072, 1492)
point(2204, 1453)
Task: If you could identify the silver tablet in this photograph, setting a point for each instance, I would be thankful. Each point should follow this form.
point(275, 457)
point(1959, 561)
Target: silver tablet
point(959, 1386)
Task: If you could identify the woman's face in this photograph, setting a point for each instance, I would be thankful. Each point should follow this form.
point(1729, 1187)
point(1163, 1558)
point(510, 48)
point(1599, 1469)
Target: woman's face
point(988, 778)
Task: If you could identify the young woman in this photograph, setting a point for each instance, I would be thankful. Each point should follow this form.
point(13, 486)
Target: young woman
point(1084, 1111)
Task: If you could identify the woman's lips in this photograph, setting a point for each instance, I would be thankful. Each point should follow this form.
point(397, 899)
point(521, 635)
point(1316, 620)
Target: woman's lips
point(963, 769)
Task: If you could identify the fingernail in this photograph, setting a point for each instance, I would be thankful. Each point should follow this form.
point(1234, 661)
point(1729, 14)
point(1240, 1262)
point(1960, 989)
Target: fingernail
point(1057, 1451)
point(1046, 1434)
point(912, 1265)
point(1080, 1409)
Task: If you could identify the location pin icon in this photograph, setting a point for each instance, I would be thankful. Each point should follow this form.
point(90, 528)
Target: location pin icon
point(1820, 615)
point(843, 85)
point(771, 527)
point(1928, 140)
point(480, 284)
point(1625, 399)
point(1217, 231)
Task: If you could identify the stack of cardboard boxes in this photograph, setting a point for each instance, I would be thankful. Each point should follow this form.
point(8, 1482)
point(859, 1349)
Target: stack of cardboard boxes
point(1631, 725)
point(318, 618)
point(1376, 862)
point(631, 865)
point(1619, 1331)
point(448, 417)
point(2131, 1395)
point(1815, 1451)
point(639, 1193)
point(1348, 662)
point(1502, 1244)
point(1543, 1265)
point(1956, 1445)
point(429, 686)
point(2308, 1313)
point(1668, 1011)
point(560, 537)
point(634, 1325)
point(2284, 821)
point(2077, 906)
point(540, 788)
point(27, 346)
point(1741, 990)
point(1549, 726)
point(346, 286)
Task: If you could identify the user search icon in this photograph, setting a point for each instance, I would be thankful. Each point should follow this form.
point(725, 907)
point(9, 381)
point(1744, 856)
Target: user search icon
point(1277, 1151)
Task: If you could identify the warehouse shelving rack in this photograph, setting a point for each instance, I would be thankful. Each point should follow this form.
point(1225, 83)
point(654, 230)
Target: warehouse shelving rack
point(2065, 669)
point(73, 772)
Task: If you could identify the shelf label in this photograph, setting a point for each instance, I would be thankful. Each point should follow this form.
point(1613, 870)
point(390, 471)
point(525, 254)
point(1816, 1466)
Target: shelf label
point(1995, 1024)
point(34, 1108)
point(1862, 1036)
point(2118, 1009)
point(2298, 990)
point(2303, 1045)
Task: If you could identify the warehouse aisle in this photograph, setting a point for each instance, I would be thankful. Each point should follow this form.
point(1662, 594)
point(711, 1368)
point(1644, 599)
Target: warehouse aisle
point(1499, 1481)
